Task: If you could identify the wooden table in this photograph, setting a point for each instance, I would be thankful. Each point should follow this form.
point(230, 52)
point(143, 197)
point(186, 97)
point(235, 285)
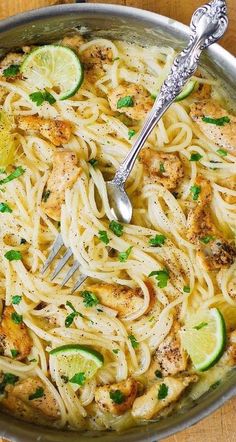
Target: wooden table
point(221, 426)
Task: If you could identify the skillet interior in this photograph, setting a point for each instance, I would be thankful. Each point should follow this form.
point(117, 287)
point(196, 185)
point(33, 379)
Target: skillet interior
point(146, 28)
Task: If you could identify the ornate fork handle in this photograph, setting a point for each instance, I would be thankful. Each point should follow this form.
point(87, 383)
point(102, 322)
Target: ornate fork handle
point(208, 24)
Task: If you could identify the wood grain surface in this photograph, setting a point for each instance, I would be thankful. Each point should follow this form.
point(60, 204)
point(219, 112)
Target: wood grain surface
point(221, 426)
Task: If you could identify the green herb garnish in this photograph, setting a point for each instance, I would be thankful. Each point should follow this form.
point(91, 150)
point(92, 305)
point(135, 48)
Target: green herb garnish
point(39, 97)
point(5, 208)
point(14, 352)
point(133, 341)
point(16, 299)
point(11, 71)
point(93, 162)
point(163, 391)
point(158, 374)
point(116, 351)
point(131, 133)
point(186, 289)
point(17, 172)
point(162, 277)
point(78, 378)
point(125, 102)
point(18, 319)
point(117, 396)
point(103, 236)
point(195, 157)
point(8, 378)
point(222, 152)
point(217, 121)
point(116, 228)
point(195, 191)
point(46, 195)
point(37, 394)
point(123, 256)
point(90, 299)
point(201, 325)
point(162, 168)
point(70, 318)
point(206, 239)
point(13, 255)
point(157, 240)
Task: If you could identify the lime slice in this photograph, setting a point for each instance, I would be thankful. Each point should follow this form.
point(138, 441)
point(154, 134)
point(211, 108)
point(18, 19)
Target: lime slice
point(204, 338)
point(187, 90)
point(54, 67)
point(74, 360)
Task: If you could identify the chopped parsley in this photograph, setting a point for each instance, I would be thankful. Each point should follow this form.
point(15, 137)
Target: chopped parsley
point(195, 157)
point(13, 255)
point(222, 152)
point(16, 299)
point(17, 172)
point(103, 236)
point(37, 394)
point(90, 299)
point(162, 277)
point(117, 396)
point(125, 102)
point(217, 121)
point(131, 133)
point(116, 58)
point(163, 391)
point(17, 319)
point(116, 351)
point(200, 326)
point(78, 378)
point(70, 318)
point(162, 168)
point(93, 162)
point(158, 374)
point(11, 71)
point(8, 378)
point(40, 97)
point(116, 228)
point(123, 256)
point(5, 208)
point(195, 191)
point(46, 195)
point(153, 96)
point(157, 240)
point(14, 352)
point(206, 239)
point(186, 289)
point(133, 341)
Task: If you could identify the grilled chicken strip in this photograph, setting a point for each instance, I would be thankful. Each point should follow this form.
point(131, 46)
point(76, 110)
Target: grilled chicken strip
point(142, 102)
point(126, 390)
point(14, 336)
point(64, 174)
point(224, 135)
point(162, 168)
point(56, 131)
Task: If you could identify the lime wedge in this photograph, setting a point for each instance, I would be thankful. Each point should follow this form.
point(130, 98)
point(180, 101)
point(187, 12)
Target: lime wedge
point(186, 91)
point(77, 363)
point(204, 338)
point(54, 67)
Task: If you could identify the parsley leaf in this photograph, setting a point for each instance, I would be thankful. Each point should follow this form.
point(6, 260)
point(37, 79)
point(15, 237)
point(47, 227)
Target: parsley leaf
point(8, 378)
point(163, 391)
point(116, 228)
point(39, 97)
point(125, 102)
point(70, 318)
point(103, 236)
point(195, 157)
point(17, 172)
point(90, 299)
point(186, 289)
point(123, 256)
point(93, 162)
point(13, 255)
point(11, 71)
point(5, 208)
point(117, 396)
point(206, 239)
point(14, 352)
point(201, 325)
point(116, 351)
point(45, 196)
point(158, 374)
point(131, 133)
point(78, 378)
point(133, 341)
point(222, 152)
point(37, 394)
point(157, 240)
point(162, 168)
point(217, 121)
point(195, 191)
point(16, 299)
point(18, 319)
point(162, 277)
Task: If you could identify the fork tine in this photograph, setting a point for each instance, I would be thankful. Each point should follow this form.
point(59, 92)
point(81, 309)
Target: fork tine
point(70, 273)
point(58, 243)
point(62, 263)
point(80, 281)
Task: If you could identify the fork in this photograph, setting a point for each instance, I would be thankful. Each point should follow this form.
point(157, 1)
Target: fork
point(208, 24)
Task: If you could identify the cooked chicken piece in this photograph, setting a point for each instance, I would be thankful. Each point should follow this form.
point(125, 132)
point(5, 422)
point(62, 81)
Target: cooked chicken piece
point(56, 131)
point(148, 406)
point(126, 390)
point(64, 174)
point(225, 135)
point(10, 59)
point(217, 252)
point(229, 182)
point(162, 168)
point(121, 298)
point(203, 92)
point(18, 403)
point(14, 336)
point(73, 41)
point(154, 372)
point(94, 59)
point(142, 101)
point(170, 354)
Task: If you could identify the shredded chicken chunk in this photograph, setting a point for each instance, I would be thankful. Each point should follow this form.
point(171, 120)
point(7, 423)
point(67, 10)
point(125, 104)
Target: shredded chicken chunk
point(128, 390)
point(151, 403)
point(56, 131)
point(162, 168)
point(13, 58)
point(225, 135)
point(14, 336)
point(73, 41)
point(123, 299)
point(141, 100)
point(95, 58)
point(170, 354)
point(19, 402)
point(230, 183)
point(64, 174)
